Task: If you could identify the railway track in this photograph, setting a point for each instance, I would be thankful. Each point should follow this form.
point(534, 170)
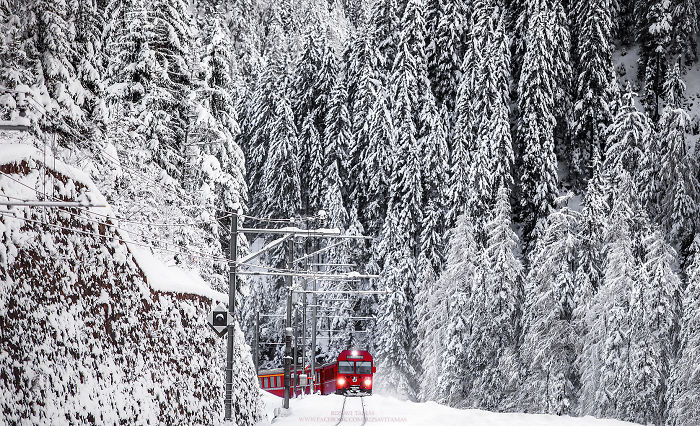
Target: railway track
point(342, 411)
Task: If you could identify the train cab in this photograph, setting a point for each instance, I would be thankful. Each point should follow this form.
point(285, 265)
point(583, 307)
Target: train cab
point(355, 373)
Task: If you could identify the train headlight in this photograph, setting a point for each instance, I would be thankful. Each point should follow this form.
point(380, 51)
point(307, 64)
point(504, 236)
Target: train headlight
point(341, 382)
point(368, 382)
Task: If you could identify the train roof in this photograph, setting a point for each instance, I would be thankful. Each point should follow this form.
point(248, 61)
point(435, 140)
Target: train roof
point(354, 354)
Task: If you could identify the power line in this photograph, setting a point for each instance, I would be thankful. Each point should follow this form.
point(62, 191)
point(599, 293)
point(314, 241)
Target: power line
point(116, 236)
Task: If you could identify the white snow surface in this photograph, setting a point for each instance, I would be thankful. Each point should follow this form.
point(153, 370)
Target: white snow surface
point(387, 410)
point(160, 276)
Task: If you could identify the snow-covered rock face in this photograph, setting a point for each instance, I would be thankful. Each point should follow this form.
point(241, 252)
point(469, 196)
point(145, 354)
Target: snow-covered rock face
point(85, 338)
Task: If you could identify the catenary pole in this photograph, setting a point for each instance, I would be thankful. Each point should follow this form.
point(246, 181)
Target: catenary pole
point(313, 320)
point(288, 329)
point(257, 339)
point(233, 254)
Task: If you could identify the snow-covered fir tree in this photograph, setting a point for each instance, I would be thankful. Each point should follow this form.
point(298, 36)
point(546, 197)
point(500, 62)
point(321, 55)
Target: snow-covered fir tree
point(491, 160)
point(280, 182)
point(536, 125)
point(446, 353)
point(445, 49)
point(669, 176)
point(627, 136)
point(654, 35)
point(495, 309)
point(594, 74)
point(549, 341)
point(653, 312)
point(685, 381)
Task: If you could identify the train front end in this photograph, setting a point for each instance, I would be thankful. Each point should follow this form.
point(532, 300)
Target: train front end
point(355, 373)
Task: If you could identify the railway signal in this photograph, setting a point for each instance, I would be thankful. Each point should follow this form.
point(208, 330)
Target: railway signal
point(218, 320)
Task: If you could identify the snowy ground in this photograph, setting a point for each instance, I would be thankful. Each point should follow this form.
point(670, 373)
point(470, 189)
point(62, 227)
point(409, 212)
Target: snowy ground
point(386, 410)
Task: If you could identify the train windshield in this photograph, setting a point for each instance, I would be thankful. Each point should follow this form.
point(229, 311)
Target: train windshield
point(345, 367)
point(364, 367)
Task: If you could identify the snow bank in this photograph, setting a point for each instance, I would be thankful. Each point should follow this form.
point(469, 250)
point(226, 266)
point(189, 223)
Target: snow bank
point(380, 409)
point(172, 278)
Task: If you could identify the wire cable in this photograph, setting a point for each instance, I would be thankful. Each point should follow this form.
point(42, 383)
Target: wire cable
point(116, 236)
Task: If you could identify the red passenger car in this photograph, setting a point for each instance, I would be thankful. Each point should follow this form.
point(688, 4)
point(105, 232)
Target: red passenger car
point(350, 374)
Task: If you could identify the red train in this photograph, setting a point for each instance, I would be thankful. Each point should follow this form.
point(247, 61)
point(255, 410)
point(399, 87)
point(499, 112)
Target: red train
point(351, 374)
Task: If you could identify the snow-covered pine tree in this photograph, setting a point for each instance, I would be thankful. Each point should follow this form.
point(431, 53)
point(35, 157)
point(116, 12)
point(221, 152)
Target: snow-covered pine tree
point(536, 125)
point(558, 56)
point(593, 220)
point(429, 265)
point(384, 20)
point(684, 390)
point(684, 30)
point(446, 351)
point(406, 190)
point(445, 50)
point(338, 140)
point(654, 35)
point(53, 35)
point(259, 114)
point(465, 120)
point(595, 76)
point(495, 308)
point(603, 360)
point(304, 104)
point(373, 135)
point(436, 156)
point(151, 73)
point(678, 187)
point(306, 71)
point(653, 319)
point(589, 272)
point(431, 255)
point(395, 336)
point(89, 61)
point(15, 65)
point(401, 232)
point(324, 80)
point(411, 58)
point(627, 136)
point(217, 167)
point(491, 162)
point(376, 165)
point(314, 164)
point(281, 187)
point(549, 341)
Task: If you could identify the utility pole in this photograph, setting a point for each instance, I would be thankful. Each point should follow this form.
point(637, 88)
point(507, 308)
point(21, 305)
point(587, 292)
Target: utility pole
point(257, 339)
point(288, 329)
point(233, 267)
point(295, 380)
point(313, 322)
point(303, 329)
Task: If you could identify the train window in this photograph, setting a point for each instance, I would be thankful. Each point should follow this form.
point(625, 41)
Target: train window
point(345, 367)
point(364, 367)
point(278, 381)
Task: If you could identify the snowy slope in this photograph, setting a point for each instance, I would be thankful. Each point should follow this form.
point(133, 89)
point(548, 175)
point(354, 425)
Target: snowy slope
point(93, 330)
point(380, 409)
